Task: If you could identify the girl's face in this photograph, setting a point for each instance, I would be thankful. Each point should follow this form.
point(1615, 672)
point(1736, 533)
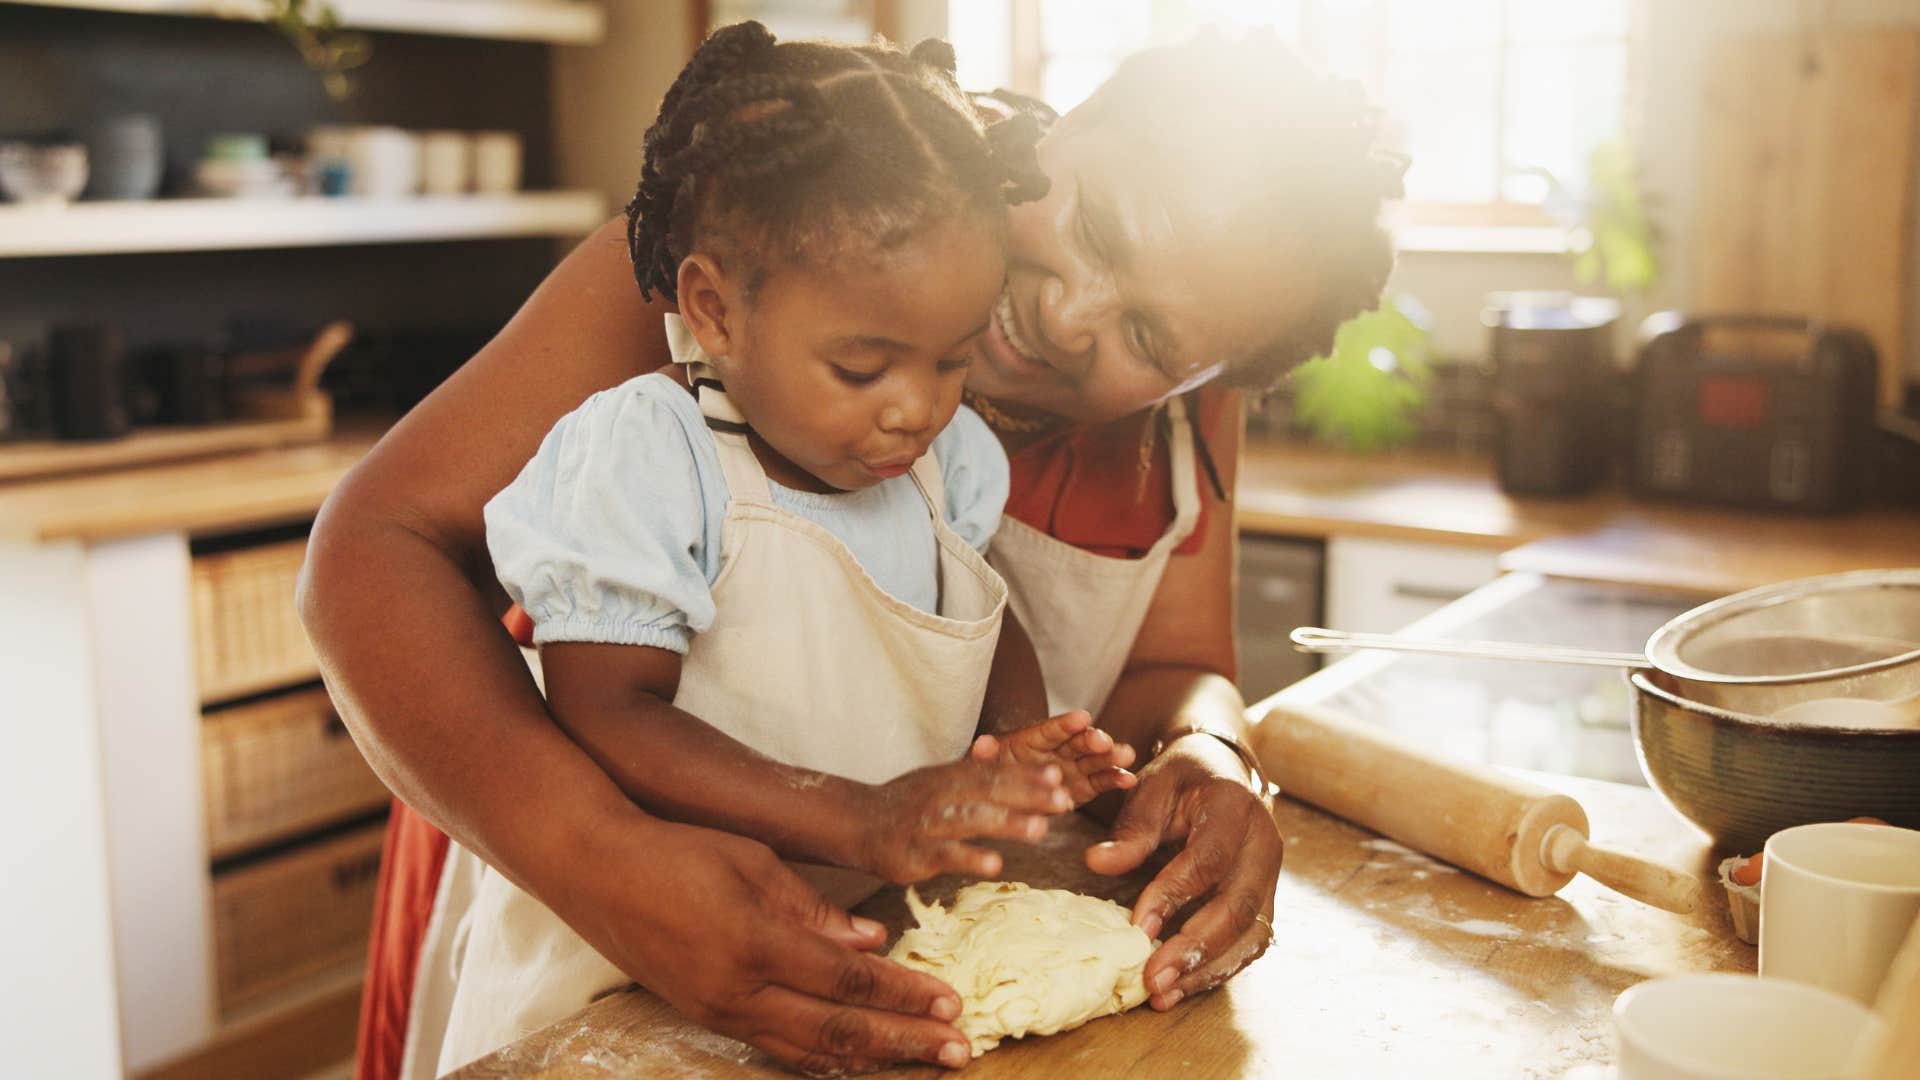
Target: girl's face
point(1136, 278)
point(848, 370)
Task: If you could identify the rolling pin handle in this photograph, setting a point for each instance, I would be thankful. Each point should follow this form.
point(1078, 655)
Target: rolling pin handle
point(1565, 850)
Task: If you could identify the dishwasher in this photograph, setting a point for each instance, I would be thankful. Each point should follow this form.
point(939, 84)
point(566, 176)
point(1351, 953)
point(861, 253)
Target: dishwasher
point(1281, 587)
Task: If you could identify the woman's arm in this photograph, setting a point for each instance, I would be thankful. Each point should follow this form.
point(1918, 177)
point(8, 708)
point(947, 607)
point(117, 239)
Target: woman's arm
point(399, 599)
point(1179, 677)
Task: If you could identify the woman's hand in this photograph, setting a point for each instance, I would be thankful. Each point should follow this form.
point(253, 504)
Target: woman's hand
point(1196, 791)
point(720, 928)
point(918, 825)
point(1090, 762)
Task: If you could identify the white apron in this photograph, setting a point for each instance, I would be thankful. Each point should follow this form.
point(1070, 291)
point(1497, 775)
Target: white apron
point(807, 661)
point(1082, 609)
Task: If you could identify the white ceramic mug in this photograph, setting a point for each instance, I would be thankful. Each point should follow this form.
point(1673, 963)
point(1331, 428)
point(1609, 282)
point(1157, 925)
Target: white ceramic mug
point(1836, 900)
point(446, 162)
point(1737, 1027)
point(496, 163)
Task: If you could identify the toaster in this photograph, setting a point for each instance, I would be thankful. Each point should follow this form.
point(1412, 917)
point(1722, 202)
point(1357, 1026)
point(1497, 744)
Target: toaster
point(1756, 411)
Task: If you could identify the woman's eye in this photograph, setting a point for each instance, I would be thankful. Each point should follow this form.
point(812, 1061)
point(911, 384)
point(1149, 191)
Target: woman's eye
point(857, 378)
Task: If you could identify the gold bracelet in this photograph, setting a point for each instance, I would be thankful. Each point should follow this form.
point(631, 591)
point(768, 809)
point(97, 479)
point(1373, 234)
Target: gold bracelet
point(1262, 788)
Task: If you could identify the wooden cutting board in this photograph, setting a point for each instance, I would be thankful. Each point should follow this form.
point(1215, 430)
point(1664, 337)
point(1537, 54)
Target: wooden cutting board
point(1807, 182)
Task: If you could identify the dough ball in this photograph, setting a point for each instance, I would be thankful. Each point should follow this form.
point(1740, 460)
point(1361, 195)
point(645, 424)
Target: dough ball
point(1027, 961)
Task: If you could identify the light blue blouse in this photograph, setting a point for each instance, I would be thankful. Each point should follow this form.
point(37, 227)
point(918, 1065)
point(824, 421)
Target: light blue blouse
point(612, 532)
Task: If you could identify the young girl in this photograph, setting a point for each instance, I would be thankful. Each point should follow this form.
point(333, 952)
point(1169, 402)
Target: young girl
point(757, 579)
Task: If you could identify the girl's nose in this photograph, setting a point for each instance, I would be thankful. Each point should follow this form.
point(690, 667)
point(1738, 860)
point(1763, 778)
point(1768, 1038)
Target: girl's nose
point(910, 411)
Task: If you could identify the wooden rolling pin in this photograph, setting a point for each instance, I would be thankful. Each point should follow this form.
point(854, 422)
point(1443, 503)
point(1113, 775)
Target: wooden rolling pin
point(1521, 835)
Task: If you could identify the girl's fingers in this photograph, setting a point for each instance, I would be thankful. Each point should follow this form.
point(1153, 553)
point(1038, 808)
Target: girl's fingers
point(1089, 743)
point(1028, 789)
point(1048, 736)
point(954, 857)
point(1104, 780)
point(984, 748)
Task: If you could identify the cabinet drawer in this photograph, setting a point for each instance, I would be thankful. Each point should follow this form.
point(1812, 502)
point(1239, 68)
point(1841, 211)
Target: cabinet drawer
point(295, 915)
point(278, 767)
point(1379, 586)
point(246, 634)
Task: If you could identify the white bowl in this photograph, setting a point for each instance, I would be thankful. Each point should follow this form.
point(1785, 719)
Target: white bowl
point(46, 175)
point(1739, 1027)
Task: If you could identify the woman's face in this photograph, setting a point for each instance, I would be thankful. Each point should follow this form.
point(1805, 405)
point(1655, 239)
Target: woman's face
point(1136, 278)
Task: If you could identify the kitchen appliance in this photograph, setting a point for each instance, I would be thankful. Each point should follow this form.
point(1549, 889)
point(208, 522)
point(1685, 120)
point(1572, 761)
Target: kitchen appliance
point(1551, 356)
point(1756, 411)
point(1279, 589)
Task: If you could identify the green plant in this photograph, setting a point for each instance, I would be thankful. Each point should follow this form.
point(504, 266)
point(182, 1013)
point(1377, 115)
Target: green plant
point(1610, 235)
point(1365, 393)
point(314, 28)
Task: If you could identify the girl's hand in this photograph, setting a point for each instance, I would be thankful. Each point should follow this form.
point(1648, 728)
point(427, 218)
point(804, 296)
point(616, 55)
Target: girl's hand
point(918, 825)
point(1089, 760)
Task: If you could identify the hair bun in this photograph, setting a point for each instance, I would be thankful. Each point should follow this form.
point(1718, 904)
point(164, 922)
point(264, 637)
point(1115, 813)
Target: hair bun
point(741, 42)
point(938, 55)
point(1015, 143)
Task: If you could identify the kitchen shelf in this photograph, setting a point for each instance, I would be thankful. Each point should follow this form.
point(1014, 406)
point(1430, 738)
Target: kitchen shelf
point(106, 228)
point(564, 22)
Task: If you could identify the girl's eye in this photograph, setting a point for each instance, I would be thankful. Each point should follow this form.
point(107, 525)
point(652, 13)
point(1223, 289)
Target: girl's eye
point(956, 363)
point(857, 378)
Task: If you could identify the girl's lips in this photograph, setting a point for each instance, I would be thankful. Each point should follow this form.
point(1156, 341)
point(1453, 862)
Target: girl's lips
point(888, 472)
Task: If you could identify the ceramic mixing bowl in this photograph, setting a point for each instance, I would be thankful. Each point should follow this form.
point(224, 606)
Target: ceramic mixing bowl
point(1741, 778)
point(42, 174)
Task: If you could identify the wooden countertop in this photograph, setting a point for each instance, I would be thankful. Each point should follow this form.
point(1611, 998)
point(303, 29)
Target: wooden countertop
point(1286, 489)
point(205, 495)
point(1289, 489)
point(1384, 963)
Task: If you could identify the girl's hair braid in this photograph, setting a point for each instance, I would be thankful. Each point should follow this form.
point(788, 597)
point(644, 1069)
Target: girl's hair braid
point(783, 151)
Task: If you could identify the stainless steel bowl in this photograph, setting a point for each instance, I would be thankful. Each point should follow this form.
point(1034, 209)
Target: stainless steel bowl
point(1742, 777)
point(1853, 635)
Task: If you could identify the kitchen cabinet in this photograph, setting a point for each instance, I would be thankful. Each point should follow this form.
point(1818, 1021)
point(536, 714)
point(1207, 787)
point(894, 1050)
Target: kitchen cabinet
point(1377, 586)
point(1279, 589)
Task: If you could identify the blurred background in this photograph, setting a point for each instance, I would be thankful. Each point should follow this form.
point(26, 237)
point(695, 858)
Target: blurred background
point(238, 238)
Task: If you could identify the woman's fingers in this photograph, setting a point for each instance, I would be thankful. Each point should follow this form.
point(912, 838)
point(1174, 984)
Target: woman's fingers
point(1138, 830)
point(817, 968)
point(817, 1037)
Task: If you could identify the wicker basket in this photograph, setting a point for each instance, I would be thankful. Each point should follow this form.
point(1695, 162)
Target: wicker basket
point(294, 916)
point(279, 767)
point(247, 635)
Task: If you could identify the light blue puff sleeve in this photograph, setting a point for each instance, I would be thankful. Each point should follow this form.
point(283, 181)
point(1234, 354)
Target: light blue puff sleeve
point(973, 465)
point(605, 535)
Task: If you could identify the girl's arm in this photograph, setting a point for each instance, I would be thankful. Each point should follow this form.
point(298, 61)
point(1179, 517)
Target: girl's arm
point(616, 702)
point(399, 600)
point(1179, 678)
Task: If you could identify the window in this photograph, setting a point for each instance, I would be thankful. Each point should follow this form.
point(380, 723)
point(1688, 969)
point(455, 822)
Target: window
point(1482, 94)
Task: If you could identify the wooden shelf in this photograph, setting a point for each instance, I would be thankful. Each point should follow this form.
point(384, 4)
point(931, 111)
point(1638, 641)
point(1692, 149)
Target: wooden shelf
point(105, 228)
point(563, 22)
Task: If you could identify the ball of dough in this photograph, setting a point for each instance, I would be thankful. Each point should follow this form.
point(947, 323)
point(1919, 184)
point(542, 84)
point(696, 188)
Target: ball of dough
point(1027, 961)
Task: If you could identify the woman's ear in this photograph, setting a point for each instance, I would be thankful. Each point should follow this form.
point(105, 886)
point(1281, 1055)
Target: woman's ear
point(710, 304)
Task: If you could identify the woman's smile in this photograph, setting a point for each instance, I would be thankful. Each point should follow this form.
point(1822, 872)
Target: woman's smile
point(1008, 349)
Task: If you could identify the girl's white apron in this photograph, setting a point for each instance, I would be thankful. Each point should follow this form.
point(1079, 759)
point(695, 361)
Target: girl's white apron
point(808, 661)
point(1082, 611)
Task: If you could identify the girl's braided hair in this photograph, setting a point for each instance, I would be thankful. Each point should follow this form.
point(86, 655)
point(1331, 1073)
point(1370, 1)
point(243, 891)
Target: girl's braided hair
point(1250, 106)
point(784, 152)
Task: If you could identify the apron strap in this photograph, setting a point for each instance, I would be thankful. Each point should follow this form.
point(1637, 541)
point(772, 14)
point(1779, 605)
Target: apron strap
point(745, 478)
point(1184, 478)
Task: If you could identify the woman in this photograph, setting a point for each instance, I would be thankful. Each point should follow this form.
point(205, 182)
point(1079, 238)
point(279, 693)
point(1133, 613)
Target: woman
point(1212, 213)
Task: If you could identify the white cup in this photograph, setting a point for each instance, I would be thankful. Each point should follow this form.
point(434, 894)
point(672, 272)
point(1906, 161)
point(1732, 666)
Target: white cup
point(1737, 1027)
point(446, 162)
point(386, 163)
point(496, 163)
point(1836, 900)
